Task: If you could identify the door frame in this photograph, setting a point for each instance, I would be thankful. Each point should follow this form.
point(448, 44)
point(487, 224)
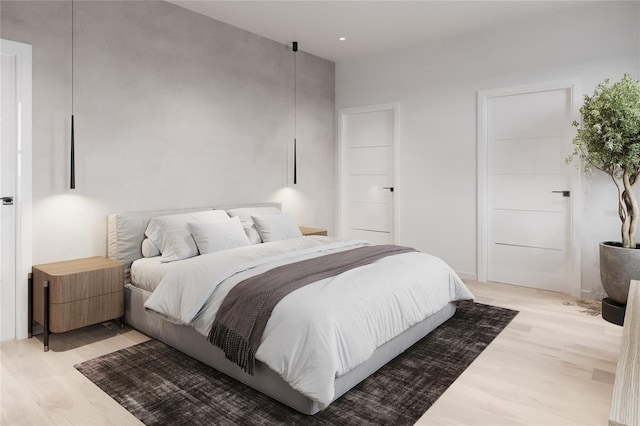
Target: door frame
point(341, 151)
point(483, 175)
point(23, 190)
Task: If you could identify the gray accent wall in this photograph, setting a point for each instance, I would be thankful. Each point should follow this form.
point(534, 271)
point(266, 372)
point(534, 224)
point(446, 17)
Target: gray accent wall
point(172, 109)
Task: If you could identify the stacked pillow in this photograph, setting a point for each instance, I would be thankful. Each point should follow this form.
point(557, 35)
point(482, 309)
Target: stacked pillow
point(266, 224)
point(276, 227)
point(149, 249)
point(221, 235)
point(246, 213)
point(171, 234)
point(181, 236)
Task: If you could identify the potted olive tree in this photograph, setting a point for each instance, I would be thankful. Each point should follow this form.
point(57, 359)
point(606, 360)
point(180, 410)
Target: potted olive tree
point(609, 140)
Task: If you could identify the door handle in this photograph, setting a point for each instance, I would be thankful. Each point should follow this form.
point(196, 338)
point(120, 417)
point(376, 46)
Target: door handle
point(390, 188)
point(7, 201)
point(564, 193)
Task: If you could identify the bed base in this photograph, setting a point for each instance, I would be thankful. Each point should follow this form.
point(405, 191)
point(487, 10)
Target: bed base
point(265, 380)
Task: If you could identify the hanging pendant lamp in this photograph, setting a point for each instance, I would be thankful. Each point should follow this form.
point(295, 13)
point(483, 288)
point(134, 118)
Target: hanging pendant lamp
point(295, 112)
point(72, 183)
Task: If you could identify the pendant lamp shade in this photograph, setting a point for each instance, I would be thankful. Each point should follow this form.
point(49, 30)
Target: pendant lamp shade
point(72, 183)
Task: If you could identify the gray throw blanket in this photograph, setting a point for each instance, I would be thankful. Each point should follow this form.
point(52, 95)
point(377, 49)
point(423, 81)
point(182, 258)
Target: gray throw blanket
point(243, 315)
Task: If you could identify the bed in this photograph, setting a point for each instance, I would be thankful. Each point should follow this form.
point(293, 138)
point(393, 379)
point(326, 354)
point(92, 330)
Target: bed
point(308, 376)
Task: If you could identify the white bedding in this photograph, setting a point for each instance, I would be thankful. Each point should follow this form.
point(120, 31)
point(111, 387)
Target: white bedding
point(146, 273)
point(322, 330)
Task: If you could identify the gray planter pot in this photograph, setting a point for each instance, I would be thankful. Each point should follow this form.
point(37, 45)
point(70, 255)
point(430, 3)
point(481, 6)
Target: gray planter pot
point(618, 266)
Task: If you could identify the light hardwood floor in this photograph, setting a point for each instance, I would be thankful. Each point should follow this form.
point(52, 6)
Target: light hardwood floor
point(553, 365)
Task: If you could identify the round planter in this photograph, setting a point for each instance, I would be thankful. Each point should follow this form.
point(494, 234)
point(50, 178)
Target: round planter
point(618, 266)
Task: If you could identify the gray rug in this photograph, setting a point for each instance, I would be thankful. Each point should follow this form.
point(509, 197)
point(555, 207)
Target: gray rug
point(160, 385)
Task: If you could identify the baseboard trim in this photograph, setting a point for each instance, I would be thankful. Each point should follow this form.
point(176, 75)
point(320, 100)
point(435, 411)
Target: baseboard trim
point(468, 275)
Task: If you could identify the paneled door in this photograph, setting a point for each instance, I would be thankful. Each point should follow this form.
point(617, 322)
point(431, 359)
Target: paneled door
point(8, 170)
point(368, 141)
point(529, 218)
point(15, 187)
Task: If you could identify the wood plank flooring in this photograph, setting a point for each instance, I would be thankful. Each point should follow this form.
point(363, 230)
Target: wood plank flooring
point(553, 365)
point(625, 407)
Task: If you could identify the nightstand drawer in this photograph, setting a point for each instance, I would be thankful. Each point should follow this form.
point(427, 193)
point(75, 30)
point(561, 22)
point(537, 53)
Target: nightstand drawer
point(76, 293)
point(80, 313)
point(64, 289)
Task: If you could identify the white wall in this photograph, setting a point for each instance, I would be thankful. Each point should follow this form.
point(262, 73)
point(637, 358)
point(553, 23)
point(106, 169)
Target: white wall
point(172, 109)
point(436, 85)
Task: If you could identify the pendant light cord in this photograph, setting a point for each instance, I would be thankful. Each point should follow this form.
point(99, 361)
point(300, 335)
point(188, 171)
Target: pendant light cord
point(72, 61)
point(72, 177)
point(295, 93)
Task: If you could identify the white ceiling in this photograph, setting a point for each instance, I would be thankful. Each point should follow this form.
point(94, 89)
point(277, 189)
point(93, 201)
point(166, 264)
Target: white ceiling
point(370, 27)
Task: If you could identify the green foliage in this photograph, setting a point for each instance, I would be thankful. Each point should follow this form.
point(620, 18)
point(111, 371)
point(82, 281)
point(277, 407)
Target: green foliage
point(609, 138)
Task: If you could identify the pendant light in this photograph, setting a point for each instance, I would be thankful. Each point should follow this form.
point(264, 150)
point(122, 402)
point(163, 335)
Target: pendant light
point(72, 183)
point(295, 112)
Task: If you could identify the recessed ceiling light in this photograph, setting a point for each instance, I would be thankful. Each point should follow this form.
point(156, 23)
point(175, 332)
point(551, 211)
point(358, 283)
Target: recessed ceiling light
point(342, 38)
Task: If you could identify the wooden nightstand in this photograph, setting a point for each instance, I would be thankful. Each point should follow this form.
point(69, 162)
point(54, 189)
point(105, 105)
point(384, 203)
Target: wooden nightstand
point(312, 231)
point(67, 295)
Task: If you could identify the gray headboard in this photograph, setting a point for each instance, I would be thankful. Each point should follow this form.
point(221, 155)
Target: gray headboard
point(125, 231)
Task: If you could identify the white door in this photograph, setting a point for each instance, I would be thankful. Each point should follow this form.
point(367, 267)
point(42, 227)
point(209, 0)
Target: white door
point(15, 187)
point(8, 162)
point(529, 219)
point(368, 141)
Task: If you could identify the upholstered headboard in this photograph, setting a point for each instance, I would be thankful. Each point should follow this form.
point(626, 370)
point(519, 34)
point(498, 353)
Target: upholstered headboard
point(125, 231)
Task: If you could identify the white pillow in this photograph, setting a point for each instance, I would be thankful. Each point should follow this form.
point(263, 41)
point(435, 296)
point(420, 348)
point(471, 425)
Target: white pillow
point(220, 235)
point(172, 236)
point(245, 213)
point(276, 227)
point(149, 249)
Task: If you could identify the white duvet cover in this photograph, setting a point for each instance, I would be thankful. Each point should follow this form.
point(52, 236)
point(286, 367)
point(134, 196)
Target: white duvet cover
point(325, 329)
point(146, 273)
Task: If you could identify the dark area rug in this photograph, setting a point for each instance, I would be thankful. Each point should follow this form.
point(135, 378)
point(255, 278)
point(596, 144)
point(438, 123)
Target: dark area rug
point(160, 385)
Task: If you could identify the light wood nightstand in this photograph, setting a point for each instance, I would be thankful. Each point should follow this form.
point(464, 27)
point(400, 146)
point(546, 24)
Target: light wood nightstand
point(312, 231)
point(67, 295)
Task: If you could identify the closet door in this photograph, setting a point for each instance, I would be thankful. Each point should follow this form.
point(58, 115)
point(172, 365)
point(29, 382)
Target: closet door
point(368, 139)
point(530, 186)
